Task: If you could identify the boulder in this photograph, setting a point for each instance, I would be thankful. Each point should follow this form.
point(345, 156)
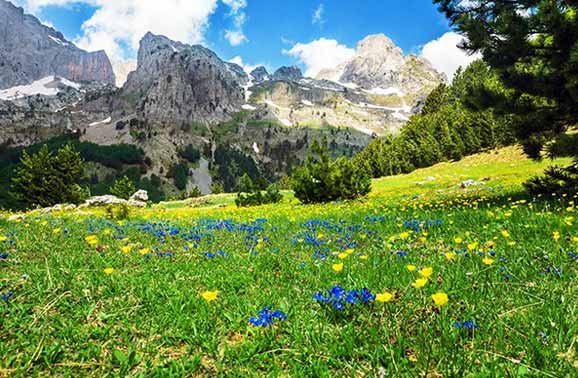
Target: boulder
point(469, 183)
point(140, 196)
point(105, 200)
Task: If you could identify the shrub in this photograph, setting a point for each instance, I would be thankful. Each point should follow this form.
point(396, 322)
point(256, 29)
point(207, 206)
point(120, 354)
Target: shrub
point(180, 174)
point(217, 188)
point(251, 194)
point(321, 180)
point(556, 180)
point(123, 188)
point(190, 154)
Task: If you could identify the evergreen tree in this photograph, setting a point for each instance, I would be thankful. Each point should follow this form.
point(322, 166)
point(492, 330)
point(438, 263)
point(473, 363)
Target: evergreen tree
point(123, 188)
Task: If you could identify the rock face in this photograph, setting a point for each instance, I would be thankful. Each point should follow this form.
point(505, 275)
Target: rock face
point(178, 84)
point(288, 74)
point(259, 74)
point(380, 66)
point(30, 51)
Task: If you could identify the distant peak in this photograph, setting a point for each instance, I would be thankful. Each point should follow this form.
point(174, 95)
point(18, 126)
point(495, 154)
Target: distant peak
point(374, 43)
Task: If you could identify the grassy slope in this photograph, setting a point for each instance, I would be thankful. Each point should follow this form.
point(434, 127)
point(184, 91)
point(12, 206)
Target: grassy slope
point(69, 318)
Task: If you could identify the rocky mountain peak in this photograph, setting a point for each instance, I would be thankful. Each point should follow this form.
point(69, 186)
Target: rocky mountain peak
point(30, 51)
point(292, 73)
point(260, 74)
point(378, 45)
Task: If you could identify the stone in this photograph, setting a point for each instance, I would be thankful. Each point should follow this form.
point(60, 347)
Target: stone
point(140, 195)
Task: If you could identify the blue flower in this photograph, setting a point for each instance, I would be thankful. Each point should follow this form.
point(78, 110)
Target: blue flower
point(6, 297)
point(3, 256)
point(470, 325)
point(338, 297)
point(266, 317)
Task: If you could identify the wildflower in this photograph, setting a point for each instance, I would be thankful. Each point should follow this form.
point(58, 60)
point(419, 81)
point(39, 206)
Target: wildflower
point(458, 240)
point(337, 267)
point(470, 325)
point(338, 297)
point(210, 296)
point(505, 234)
point(126, 249)
point(266, 317)
point(363, 257)
point(450, 256)
point(556, 236)
point(426, 272)
point(440, 299)
point(384, 297)
point(56, 231)
point(3, 238)
point(92, 240)
point(411, 268)
point(404, 235)
point(472, 246)
point(3, 256)
point(419, 283)
point(342, 256)
point(108, 271)
point(144, 251)
point(6, 297)
point(488, 261)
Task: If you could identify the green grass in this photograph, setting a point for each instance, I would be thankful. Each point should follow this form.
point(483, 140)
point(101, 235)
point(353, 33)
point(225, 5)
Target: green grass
point(69, 318)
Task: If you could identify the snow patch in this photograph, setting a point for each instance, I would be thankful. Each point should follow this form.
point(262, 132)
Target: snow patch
point(386, 91)
point(103, 122)
point(59, 41)
point(248, 107)
point(306, 102)
point(256, 148)
point(48, 86)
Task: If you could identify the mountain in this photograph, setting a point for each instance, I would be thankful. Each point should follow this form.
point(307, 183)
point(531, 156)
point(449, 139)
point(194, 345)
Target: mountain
point(380, 68)
point(30, 51)
point(180, 84)
point(122, 69)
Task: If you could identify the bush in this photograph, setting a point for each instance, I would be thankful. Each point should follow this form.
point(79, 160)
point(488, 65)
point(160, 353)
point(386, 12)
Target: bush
point(180, 174)
point(123, 188)
point(251, 194)
point(190, 154)
point(556, 180)
point(217, 188)
point(119, 212)
point(321, 180)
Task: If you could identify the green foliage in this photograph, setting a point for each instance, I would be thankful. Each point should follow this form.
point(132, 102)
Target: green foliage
point(532, 46)
point(190, 153)
point(217, 188)
point(322, 180)
point(45, 179)
point(118, 212)
point(561, 181)
point(180, 175)
point(123, 188)
point(195, 192)
point(250, 194)
point(447, 129)
point(232, 164)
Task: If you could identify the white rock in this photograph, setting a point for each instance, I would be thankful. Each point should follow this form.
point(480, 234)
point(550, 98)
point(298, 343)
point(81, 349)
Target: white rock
point(141, 195)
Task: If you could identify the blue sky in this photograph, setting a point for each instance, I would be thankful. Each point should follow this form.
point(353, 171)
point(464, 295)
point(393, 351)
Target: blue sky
point(252, 31)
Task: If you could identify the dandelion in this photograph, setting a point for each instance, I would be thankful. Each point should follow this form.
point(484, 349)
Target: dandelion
point(488, 261)
point(411, 268)
point(556, 236)
point(404, 235)
point(92, 240)
point(419, 283)
point(3, 238)
point(472, 246)
point(342, 256)
point(458, 240)
point(450, 256)
point(426, 272)
point(440, 298)
point(126, 249)
point(108, 271)
point(56, 231)
point(210, 296)
point(337, 267)
point(505, 234)
point(144, 251)
point(384, 297)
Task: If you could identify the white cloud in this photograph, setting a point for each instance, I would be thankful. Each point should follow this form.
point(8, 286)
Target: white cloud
point(318, 15)
point(320, 54)
point(120, 24)
point(236, 36)
point(445, 55)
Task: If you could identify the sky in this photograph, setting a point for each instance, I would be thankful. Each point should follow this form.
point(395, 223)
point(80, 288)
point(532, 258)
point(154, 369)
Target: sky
point(313, 34)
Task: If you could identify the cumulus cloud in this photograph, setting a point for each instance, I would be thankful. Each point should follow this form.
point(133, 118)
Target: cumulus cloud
point(320, 54)
point(236, 36)
point(318, 15)
point(120, 24)
point(445, 55)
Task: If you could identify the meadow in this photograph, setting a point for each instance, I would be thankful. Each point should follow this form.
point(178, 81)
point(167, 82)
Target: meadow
point(420, 279)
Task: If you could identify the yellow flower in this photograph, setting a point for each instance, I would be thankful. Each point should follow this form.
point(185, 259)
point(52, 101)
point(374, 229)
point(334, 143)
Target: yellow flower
point(450, 256)
point(337, 267)
point(384, 297)
point(440, 298)
point(342, 255)
point(488, 261)
point(426, 272)
point(472, 246)
point(107, 232)
point(505, 234)
point(411, 268)
point(556, 235)
point(419, 283)
point(56, 231)
point(363, 257)
point(349, 251)
point(404, 235)
point(91, 240)
point(144, 251)
point(458, 240)
point(108, 271)
point(575, 239)
point(210, 296)
point(3, 238)
point(126, 249)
